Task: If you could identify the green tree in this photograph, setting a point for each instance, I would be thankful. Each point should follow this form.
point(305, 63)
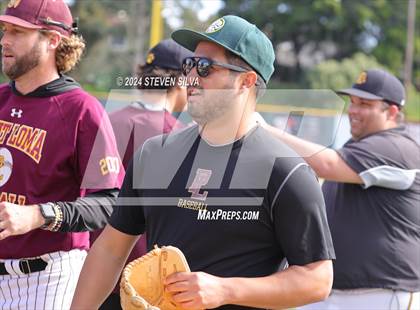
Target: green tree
point(333, 74)
point(376, 27)
point(113, 44)
point(301, 22)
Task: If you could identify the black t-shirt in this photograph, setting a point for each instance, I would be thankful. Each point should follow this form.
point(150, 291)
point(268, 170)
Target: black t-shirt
point(263, 203)
point(376, 227)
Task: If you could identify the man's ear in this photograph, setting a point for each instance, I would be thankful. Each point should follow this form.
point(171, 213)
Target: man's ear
point(393, 111)
point(54, 39)
point(249, 79)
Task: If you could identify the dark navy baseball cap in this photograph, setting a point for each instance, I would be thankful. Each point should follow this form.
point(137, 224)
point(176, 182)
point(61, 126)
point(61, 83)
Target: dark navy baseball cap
point(377, 84)
point(167, 54)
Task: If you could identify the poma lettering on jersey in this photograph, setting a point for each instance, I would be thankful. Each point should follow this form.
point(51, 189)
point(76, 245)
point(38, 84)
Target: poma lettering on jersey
point(27, 139)
point(10, 197)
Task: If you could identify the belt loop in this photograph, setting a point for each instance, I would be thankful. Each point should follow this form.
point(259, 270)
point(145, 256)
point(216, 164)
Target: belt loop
point(29, 266)
point(410, 301)
point(22, 264)
point(8, 265)
point(15, 268)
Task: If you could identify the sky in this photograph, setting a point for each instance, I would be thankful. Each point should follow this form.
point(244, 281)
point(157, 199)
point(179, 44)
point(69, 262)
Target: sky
point(171, 13)
point(209, 7)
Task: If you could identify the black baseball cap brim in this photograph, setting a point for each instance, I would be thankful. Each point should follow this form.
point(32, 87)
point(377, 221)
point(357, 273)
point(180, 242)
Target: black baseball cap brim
point(358, 93)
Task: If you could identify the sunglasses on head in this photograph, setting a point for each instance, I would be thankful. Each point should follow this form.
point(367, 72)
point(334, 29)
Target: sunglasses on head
point(203, 66)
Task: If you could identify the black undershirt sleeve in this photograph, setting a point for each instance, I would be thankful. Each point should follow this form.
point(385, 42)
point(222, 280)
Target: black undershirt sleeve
point(88, 213)
point(300, 219)
point(129, 219)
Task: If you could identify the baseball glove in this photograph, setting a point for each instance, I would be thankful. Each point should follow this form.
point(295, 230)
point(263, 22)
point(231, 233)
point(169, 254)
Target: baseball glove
point(142, 279)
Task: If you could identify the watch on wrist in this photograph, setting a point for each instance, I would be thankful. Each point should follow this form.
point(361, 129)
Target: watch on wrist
point(48, 213)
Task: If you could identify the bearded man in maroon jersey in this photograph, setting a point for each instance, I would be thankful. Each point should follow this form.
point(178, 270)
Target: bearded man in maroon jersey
point(59, 165)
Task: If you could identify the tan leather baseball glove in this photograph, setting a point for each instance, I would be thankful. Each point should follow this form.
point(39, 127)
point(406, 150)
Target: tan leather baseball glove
point(142, 280)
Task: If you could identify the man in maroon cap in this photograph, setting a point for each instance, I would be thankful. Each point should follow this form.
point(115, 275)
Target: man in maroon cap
point(59, 165)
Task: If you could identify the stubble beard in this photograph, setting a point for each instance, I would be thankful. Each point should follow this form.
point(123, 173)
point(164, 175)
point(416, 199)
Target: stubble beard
point(23, 64)
point(210, 105)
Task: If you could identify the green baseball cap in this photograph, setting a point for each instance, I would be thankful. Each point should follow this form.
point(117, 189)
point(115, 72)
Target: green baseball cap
point(238, 36)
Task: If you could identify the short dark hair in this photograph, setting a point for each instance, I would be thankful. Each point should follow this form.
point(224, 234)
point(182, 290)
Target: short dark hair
point(260, 85)
point(400, 116)
point(155, 71)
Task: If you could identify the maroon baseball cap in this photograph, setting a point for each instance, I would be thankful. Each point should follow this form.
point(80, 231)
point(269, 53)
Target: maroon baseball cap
point(40, 14)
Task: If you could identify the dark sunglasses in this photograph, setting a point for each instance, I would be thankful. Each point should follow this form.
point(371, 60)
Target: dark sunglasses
point(203, 66)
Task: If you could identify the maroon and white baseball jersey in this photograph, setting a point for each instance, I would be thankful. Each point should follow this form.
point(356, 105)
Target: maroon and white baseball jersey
point(55, 147)
point(135, 123)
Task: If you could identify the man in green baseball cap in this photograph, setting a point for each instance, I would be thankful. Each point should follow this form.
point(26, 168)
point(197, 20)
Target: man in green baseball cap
point(237, 36)
point(230, 52)
point(225, 192)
